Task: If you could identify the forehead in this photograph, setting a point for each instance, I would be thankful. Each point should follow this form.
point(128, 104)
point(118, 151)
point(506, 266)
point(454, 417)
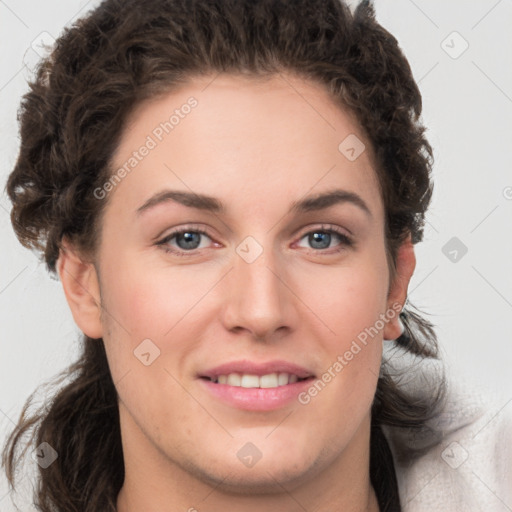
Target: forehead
point(274, 138)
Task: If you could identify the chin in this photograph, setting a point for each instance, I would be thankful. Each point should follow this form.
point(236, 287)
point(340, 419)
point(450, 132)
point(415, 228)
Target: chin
point(265, 477)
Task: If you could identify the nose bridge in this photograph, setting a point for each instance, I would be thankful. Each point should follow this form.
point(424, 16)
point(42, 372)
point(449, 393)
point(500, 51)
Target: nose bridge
point(257, 298)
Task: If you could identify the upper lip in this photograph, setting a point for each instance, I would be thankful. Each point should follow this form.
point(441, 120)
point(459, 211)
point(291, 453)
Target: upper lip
point(259, 369)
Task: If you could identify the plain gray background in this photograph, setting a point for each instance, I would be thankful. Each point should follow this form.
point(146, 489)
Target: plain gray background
point(467, 98)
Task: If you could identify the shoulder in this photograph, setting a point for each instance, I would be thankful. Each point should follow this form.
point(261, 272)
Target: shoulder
point(462, 460)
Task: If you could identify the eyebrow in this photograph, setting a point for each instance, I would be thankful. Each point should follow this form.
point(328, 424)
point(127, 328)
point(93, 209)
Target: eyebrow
point(315, 202)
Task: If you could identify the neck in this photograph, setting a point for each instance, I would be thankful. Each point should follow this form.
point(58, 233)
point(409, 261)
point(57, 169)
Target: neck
point(155, 482)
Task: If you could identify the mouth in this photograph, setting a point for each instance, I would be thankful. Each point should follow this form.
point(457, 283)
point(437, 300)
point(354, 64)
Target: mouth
point(256, 386)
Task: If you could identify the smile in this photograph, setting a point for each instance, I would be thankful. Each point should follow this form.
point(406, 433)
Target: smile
point(270, 380)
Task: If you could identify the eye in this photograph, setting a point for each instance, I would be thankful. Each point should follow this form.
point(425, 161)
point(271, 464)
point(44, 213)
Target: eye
point(322, 237)
point(186, 240)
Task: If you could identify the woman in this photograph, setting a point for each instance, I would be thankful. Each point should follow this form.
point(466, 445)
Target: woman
point(230, 193)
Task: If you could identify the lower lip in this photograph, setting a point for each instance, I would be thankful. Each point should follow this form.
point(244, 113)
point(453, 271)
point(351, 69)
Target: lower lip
point(257, 399)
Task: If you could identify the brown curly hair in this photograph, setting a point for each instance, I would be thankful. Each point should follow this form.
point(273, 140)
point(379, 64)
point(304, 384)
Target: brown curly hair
point(71, 120)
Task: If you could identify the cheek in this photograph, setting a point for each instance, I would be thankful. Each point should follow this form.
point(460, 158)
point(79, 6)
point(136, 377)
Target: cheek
point(148, 302)
point(351, 305)
point(351, 300)
point(164, 305)
point(344, 391)
point(147, 321)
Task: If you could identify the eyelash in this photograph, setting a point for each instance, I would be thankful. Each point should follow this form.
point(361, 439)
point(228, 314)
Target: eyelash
point(346, 241)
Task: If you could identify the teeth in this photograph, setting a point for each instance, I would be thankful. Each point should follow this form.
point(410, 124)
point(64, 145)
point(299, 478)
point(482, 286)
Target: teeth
point(234, 380)
point(250, 381)
point(282, 380)
point(270, 380)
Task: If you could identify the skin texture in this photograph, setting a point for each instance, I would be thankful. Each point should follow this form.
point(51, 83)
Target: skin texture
point(257, 146)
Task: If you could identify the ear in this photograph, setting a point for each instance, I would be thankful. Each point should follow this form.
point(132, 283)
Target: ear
point(81, 287)
point(405, 265)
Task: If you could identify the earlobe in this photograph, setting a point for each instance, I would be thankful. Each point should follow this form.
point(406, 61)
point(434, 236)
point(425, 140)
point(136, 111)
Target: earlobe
point(81, 287)
point(405, 265)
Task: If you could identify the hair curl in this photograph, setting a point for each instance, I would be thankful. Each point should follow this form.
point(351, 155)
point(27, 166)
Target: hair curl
point(71, 121)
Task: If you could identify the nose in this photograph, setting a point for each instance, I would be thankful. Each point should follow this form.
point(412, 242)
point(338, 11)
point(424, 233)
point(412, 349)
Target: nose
point(258, 298)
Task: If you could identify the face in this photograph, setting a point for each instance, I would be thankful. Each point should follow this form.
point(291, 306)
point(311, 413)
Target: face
point(261, 284)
